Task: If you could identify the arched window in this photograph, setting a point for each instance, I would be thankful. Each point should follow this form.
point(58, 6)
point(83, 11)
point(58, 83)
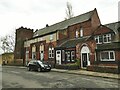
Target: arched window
point(34, 52)
point(81, 32)
point(42, 52)
point(77, 34)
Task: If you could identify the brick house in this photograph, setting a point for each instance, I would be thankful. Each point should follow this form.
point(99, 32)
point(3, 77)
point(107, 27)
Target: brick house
point(81, 38)
point(44, 42)
point(107, 49)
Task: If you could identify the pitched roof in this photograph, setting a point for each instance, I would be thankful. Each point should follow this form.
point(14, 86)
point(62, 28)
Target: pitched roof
point(72, 43)
point(108, 46)
point(64, 24)
point(114, 26)
point(101, 27)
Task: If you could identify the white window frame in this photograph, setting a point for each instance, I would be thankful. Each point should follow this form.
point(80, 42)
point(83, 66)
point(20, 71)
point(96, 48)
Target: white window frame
point(107, 36)
point(81, 32)
point(77, 34)
point(98, 38)
point(72, 55)
point(109, 59)
point(51, 52)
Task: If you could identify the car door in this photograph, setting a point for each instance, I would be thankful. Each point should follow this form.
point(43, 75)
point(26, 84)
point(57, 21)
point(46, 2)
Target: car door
point(31, 65)
point(35, 65)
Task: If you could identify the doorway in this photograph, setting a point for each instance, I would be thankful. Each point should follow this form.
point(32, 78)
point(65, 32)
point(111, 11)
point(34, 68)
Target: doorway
point(85, 57)
point(58, 57)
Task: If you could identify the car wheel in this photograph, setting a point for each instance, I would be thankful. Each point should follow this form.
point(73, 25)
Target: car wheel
point(39, 69)
point(28, 68)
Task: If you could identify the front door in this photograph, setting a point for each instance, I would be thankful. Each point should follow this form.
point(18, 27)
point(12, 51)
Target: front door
point(85, 56)
point(58, 57)
point(84, 59)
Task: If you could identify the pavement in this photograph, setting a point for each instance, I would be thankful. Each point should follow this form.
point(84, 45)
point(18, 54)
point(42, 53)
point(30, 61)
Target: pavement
point(82, 72)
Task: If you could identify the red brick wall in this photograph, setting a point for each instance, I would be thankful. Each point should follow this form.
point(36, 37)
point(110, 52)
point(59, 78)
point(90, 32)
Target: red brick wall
point(47, 45)
point(91, 45)
point(62, 35)
point(95, 21)
point(86, 26)
point(117, 53)
point(21, 35)
point(46, 49)
point(101, 30)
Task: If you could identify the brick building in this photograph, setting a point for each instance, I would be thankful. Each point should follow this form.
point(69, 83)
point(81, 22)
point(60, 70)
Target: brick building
point(22, 34)
point(81, 38)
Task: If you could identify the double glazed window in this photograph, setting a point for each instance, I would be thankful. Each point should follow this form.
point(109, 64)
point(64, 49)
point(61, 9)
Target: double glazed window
point(51, 52)
point(107, 56)
point(107, 38)
point(103, 39)
point(98, 39)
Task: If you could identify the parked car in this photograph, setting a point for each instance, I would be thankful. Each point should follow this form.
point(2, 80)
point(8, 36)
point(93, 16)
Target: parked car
point(38, 65)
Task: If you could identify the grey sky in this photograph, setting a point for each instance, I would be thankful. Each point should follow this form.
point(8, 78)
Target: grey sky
point(35, 14)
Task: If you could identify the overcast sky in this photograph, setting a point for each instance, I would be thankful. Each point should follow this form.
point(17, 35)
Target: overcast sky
point(35, 14)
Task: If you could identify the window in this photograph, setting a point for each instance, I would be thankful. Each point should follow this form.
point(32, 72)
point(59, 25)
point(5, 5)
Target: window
point(77, 34)
point(98, 39)
point(103, 39)
point(81, 32)
point(107, 38)
point(41, 52)
point(63, 55)
point(51, 37)
point(68, 56)
point(107, 56)
point(34, 52)
point(51, 52)
point(33, 55)
point(73, 56)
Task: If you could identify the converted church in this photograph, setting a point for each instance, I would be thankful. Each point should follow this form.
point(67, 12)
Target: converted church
point(80, 39)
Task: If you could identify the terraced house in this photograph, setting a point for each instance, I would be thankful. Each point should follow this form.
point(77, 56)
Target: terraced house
point(81, 38)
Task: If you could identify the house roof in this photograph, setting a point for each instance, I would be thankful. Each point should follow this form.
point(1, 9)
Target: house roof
point(109, 46)
point(72, 43)
point(113, 26)
point(102, 27)
point(64, 24)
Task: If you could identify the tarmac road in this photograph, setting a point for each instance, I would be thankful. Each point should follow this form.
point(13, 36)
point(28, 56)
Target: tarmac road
point(21, 78)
